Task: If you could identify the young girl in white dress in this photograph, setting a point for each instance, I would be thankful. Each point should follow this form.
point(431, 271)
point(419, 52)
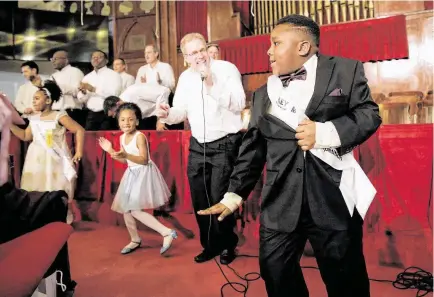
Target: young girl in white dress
point(49, 165)
point(142, 186)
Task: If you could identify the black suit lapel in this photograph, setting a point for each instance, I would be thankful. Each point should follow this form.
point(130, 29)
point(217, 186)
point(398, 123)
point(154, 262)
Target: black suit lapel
point(266, 102)
point(324, 72)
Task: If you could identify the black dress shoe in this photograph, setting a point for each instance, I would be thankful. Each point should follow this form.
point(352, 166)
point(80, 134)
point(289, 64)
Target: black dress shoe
point(204, 256)
point(227, 256)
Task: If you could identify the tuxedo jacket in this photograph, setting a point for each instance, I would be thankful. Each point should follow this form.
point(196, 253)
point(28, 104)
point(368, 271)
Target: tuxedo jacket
point(290, 174)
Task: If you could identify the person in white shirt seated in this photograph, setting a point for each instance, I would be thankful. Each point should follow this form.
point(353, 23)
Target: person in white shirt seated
point(213, 50)
point(68, 78)
point(120, 67)
point(210, 95)
point(147, 108)
point(24, 98)
point(95, 87)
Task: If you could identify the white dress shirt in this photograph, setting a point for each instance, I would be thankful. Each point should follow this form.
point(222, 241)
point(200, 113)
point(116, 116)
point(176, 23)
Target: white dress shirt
point(106, 83)
point(68, 79)
point(24, 96)
point(219, 110)
point(163, 69)
point(127, 80)
point(146, 96)
point(296, 97)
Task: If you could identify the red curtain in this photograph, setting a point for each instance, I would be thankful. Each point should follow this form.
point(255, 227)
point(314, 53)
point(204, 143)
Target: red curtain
point(191, 16)
point(368, 40)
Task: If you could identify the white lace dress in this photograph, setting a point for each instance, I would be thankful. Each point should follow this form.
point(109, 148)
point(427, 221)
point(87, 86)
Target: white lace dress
point(48, 165)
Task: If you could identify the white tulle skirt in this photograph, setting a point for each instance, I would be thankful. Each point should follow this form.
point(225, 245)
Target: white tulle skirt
point(141, 187)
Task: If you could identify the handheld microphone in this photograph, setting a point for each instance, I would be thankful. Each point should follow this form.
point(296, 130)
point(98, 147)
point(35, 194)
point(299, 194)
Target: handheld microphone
point(202, 71)
point(202, 75)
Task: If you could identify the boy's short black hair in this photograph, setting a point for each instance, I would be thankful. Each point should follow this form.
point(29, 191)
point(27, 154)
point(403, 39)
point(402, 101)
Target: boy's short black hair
point(309, 25)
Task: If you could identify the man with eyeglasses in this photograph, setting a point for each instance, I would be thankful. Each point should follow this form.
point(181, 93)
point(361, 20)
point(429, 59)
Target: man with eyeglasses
point(210, 95)
point(68, 78)
point(95, 87)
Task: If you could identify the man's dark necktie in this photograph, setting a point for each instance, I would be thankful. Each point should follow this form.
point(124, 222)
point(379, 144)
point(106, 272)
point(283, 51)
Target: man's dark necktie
point(300, 74)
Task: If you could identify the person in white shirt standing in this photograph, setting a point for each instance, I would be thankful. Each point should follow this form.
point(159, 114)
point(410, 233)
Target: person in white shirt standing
point(23, 100)
point(96, 86)
point(155, 71)
point(210, 95)
point(154, 80)
point(120, 67)
point(213, 51)
point(68, 78)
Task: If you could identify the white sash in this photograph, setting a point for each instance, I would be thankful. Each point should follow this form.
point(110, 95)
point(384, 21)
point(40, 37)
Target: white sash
point(40, 129)
point(355, 186)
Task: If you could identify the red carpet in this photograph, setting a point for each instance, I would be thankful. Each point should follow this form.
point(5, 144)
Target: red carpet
point(101, 270)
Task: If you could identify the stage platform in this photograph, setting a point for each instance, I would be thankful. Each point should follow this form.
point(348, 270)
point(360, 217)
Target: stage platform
point(101, 270)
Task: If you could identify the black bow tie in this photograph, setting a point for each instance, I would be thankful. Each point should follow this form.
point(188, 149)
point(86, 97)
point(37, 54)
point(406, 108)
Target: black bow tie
point(300, 74)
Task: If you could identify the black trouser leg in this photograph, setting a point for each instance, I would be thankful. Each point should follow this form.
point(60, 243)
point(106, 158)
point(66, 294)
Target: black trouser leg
point(77, 115)
point(279, 262)
point(98, 121)
point(340, 258)
point(339, 255)
point(149, 123)
point(209, 178)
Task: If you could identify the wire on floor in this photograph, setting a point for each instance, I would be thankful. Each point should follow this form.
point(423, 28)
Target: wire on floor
point(411, 278)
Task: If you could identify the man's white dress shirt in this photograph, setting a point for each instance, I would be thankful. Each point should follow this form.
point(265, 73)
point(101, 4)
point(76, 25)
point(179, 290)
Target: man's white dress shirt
point(106, 82)
point(68, 79)
point(127, 80)
point(146, 96)
point(218, 109)
point(163, 69)
point(24, 96)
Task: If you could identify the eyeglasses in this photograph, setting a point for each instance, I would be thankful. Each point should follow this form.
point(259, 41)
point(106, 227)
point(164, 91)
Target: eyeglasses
point(57, 58)
point(196, 53)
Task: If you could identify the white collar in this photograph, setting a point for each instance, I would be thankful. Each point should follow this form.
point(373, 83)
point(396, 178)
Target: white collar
point(275, 85)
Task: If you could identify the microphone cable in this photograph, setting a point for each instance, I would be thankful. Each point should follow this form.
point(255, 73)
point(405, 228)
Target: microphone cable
point(250, 276)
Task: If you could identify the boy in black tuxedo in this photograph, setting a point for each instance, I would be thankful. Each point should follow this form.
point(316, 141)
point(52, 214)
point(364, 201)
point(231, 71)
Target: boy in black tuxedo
point(305, 122)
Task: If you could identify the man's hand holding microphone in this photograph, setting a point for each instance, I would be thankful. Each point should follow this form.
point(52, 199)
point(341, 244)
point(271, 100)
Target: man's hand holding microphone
point(205, 73)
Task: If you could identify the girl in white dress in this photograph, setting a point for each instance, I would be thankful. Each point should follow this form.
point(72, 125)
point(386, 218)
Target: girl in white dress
point(142, 186)
point(49, 165)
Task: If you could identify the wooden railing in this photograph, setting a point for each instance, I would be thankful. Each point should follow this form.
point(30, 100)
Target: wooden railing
point(267, 12)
